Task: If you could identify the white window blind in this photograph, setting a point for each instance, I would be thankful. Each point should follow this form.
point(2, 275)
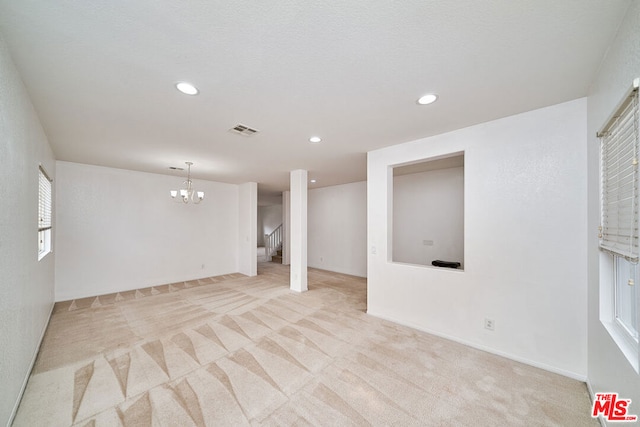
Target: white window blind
point(620, 150)
point(44, 201)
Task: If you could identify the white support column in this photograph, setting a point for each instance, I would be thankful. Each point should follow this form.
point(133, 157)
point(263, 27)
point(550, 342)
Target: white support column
point(298, 277)
point(248, 229)
point(286, 225)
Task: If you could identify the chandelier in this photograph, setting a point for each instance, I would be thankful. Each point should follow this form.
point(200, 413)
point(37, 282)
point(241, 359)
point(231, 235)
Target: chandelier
point(188, 194)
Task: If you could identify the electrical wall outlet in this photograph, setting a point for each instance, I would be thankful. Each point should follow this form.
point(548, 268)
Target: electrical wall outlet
point(489, 324)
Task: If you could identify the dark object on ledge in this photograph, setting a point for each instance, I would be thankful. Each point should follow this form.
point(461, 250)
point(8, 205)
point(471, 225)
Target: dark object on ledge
point(448, 264)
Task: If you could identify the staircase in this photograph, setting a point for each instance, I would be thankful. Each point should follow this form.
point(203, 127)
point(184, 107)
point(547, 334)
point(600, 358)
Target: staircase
point(277, 257)
point(273, 245)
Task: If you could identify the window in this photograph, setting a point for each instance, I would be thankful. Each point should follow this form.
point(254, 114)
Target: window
point(626, 313)
point(44, 213)
point(619, 303)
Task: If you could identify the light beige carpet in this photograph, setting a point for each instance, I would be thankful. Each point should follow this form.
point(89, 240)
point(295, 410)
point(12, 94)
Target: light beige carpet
point(234, 350)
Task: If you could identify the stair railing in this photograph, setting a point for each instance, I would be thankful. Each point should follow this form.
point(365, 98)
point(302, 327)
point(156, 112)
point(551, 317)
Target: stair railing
point(273, 242)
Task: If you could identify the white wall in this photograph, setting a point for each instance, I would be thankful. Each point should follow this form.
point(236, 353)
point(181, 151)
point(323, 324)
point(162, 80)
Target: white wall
point(609, 370)
point(120, 230)
point(298, 277)
point(26, 284)
point(259, 228)
point(269, 218)
point(286, 224)
point(337, 228)
point(247, 229)
point(429, 206)
point(525, 241)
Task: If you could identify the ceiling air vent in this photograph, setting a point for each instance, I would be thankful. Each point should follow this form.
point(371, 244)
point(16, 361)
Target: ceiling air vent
point(243, 130)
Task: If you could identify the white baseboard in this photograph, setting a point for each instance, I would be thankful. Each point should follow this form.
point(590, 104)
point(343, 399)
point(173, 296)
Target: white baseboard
point(31, 365)
point(555, 370)
point(592, 396)
point(333, 269)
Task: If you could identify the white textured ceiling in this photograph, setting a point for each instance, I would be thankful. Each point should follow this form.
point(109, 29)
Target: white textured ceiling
point(101, 75)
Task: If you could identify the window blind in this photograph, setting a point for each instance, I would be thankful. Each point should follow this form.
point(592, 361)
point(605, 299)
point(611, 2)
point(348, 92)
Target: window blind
point(44, 201)
point(619, 162)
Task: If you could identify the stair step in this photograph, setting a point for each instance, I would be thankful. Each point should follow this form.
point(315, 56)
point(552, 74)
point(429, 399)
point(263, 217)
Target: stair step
point(277, 259)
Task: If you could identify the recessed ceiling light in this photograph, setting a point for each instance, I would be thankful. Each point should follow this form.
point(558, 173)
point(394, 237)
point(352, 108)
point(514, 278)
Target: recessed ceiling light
point(315, 139)
point(187, 88)
point(428, 99)
point(313, 181)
